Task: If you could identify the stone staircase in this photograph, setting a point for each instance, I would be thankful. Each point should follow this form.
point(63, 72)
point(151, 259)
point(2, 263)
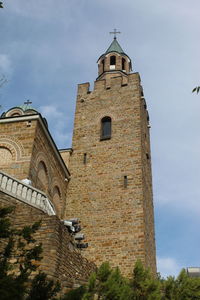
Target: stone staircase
point(26, 193)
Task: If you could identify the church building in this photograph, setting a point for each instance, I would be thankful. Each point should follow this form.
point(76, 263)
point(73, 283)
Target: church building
point(110, 189)
point(104, 179)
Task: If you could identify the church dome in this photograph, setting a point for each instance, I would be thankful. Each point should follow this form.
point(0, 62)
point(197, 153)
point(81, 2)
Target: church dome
point(115, 47)
point(25, 109)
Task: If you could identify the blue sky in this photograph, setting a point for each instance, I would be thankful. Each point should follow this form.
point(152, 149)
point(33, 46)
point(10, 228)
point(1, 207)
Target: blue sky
point(48, 47)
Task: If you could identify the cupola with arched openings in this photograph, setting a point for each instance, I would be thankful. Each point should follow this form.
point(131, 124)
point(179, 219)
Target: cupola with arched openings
point(113, 61)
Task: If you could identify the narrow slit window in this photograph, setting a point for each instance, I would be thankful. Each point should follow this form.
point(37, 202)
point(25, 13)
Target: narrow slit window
point(28, 124)
point(85, 158)
point(123, 64)
point(103, 65)
point(106, 128)
point(125, 181)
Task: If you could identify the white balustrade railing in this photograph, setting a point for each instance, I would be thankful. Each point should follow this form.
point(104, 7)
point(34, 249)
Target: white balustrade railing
point(25, 193)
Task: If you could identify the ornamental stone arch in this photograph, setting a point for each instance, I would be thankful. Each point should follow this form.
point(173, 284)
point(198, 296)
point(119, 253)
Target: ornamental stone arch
point(42, 180)
point(14, 146)
point(103, 114)
point(6, 156)
point(57, 200)
point(16, 111)
point(57, 196)
point(42, 157)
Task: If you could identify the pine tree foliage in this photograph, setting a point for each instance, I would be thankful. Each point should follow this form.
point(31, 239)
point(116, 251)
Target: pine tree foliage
point(76, 294)
point(43, 289)
point(18, 256)
point(183, 287)
point(109, 284)
point(169, 287)
point(144, 285)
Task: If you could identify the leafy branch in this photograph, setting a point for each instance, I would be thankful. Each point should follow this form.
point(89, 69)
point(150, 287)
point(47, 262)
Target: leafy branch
point(196, 89)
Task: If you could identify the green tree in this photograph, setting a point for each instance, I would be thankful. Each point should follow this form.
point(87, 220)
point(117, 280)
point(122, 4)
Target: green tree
point(109, 284)
point(183, 287)
point(1, 4)
point(18, 257)
point(105, 284)
point(144, 285)
point(76, 294)
point(43, 289)
point(169, 288)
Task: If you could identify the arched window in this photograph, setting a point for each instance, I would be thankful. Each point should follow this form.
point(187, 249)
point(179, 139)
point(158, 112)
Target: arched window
point(113, 60)
point(123, 64)
point(57, 199)
point(106, 128)
point(42, 177)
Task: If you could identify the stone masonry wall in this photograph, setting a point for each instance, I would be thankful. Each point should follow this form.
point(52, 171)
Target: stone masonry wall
point(116, 219)
point(16, 142)
point(147, 189)
point(61, 260)
point(118, 65)
point(25, 152)
point(52, 179)
point(65, 154)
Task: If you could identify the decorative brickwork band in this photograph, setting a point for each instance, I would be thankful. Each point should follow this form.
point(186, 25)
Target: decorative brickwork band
point(14, 146)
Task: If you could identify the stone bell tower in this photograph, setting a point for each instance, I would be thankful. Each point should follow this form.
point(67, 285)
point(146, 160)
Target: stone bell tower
point(111, 184)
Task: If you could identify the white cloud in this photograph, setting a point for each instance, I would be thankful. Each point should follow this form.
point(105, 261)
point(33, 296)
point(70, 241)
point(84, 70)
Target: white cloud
point(168, 266)
point(44, 10)
point(5, 64)
point(57, 121)
point(50, 111)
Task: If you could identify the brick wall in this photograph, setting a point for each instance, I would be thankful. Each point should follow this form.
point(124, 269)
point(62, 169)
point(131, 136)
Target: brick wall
point(16, 138)
point(26, 152)
point(65, 153)
point(46, 172)
point(61, 259)
point(117, 220)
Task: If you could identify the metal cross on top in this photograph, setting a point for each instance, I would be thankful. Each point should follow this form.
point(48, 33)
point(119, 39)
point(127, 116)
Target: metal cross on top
point(27, 102)
point(115, 32)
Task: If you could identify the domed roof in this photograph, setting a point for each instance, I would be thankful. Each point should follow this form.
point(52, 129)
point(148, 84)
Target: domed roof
point(24, 109)
point(114, 47)
point(26, 106)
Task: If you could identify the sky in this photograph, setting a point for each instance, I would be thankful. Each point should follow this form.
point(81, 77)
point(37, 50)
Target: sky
point(47, 47)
